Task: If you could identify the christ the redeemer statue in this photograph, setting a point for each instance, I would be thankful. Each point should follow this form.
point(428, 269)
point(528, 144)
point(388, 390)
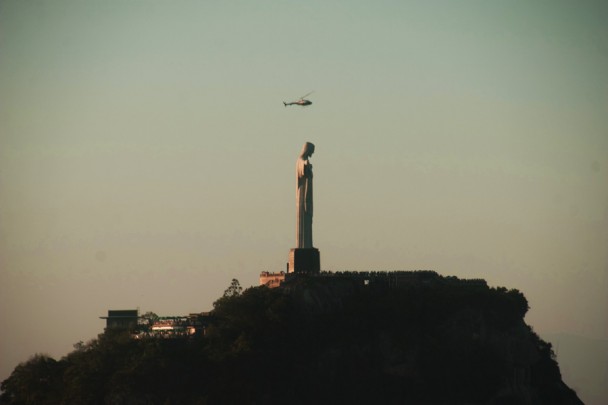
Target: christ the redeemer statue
point(304, 197)
point(304, 258)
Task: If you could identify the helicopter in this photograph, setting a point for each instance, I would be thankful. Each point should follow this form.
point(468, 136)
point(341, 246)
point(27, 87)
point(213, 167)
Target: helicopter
point(302, 102)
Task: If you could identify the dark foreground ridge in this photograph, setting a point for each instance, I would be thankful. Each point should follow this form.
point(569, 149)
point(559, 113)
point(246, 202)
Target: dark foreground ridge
point(331, 338)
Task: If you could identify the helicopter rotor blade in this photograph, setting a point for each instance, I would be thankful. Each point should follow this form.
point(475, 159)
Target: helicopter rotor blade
point(306, 95)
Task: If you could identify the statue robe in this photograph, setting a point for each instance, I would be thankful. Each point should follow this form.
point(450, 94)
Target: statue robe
point(304, 203)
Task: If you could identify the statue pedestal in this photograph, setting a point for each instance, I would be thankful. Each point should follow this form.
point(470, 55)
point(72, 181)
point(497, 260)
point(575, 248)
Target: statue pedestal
point(304, 260)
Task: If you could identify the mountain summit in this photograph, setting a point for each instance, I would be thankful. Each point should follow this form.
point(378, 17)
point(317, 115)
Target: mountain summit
point(363, 338)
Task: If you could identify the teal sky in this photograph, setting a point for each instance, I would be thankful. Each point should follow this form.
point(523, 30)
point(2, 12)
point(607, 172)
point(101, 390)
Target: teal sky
point(146, 158)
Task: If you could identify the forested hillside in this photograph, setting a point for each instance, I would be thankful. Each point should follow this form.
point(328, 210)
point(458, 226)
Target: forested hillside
point(318, 340)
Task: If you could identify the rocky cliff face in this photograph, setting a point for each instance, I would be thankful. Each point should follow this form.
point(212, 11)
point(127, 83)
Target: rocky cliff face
point(433, 339)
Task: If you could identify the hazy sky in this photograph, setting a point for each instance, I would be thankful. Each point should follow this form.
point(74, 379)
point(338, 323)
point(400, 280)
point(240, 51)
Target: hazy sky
point(146, 157)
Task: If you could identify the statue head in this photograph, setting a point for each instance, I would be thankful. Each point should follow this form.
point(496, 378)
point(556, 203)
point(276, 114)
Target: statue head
point(307, 150)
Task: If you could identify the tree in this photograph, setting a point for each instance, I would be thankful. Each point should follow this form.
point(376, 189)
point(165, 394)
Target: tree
point(234, 290)
point(147, 320)
point(37, 381)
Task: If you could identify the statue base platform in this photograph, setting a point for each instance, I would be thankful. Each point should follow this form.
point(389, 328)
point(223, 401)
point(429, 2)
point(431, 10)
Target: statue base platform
point(304, 260)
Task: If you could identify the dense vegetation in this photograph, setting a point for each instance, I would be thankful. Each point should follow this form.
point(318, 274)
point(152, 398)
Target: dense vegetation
point(444, 344)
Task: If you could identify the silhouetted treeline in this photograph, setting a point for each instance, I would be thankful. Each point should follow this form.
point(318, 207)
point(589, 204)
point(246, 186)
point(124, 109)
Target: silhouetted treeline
point(447, 343)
